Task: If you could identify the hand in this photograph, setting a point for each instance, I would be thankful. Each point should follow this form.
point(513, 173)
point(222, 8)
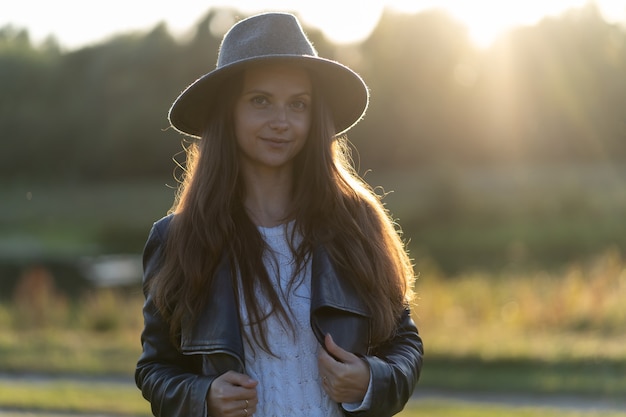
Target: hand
point(346, 378)
point(232, 395)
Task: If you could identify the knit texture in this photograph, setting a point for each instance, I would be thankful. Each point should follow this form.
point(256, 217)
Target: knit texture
point(289, 382)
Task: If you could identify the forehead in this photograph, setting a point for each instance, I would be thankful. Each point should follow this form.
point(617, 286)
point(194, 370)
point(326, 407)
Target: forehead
point(277, 76)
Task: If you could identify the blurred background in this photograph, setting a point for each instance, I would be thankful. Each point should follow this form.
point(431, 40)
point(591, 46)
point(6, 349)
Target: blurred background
point(497, 134)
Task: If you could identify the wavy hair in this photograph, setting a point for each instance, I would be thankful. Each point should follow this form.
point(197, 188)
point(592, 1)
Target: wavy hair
point(333, 207)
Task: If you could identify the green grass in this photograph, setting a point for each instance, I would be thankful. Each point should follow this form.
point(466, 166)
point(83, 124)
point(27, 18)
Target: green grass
point(534, 332)
point(460, 218)
point(540, 332)
point(98, 335)
point(77, 218)
point(73, 397)
point(520, 217)
point(72, 352)
point(592, 379)
point(95, 397)
point(433, 408)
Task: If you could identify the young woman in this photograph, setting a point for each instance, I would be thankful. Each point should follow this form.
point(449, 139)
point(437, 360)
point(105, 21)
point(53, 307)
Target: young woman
point(278, 285)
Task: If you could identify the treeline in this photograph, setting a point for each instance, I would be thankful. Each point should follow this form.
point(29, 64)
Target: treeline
point(552, 92)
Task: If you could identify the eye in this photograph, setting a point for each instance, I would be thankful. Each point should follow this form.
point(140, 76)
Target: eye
point(299, 105)
point(259, 101)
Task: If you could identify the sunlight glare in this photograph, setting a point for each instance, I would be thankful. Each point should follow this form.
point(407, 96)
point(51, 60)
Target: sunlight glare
point(342, 21)
point(349, 22)
point(486, 20)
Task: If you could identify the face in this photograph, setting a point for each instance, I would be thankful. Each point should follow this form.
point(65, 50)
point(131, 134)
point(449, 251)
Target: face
point(272, 117)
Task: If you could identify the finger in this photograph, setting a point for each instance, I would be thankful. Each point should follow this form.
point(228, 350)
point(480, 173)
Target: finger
point(325, 362)
point(240, 380)
point(249, 404)
point(327, 386)
point(242, 404)
point(337, 352)
point(227, 389)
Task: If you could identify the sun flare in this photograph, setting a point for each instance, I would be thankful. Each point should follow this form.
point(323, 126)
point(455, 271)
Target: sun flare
point(486, 20)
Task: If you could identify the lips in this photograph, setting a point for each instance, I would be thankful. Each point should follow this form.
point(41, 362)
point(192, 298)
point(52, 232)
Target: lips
point(276, 140)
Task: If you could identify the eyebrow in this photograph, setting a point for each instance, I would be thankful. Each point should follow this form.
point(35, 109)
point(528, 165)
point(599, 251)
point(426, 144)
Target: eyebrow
point(267, 93)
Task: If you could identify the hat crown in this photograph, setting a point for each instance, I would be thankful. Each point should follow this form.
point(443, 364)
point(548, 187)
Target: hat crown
point(268, 34)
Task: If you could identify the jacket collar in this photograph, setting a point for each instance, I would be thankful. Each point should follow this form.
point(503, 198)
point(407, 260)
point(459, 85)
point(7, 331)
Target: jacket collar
point(218, 329)
point(331, 289)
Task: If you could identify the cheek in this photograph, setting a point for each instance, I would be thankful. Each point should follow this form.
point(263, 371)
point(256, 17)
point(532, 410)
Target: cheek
point(304, 125)
point(244, 123)
point(238, 119)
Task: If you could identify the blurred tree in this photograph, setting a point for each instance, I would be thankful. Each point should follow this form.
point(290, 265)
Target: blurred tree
point(552, 92)
point(116, 105)
point(27, 84)
point(556, 91)
point(421, 69)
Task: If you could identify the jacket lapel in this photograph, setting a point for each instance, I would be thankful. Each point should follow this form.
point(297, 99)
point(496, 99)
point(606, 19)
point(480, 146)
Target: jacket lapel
point(217, 329)
point(331, 289)
point(335, 308)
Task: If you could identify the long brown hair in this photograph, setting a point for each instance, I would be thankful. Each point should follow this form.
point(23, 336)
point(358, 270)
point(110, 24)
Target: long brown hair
point(333, 207)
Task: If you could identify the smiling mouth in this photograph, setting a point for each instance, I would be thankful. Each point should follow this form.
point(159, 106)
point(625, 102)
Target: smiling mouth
point(276, 140)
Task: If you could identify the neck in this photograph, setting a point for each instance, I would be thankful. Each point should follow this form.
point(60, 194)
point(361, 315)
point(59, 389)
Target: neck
point(268, 198)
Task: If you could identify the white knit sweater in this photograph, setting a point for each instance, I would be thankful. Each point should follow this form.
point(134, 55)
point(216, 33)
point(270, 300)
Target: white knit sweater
point(290, 383)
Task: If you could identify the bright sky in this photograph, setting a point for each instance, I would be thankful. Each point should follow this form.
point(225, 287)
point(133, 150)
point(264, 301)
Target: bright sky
point(77, 23)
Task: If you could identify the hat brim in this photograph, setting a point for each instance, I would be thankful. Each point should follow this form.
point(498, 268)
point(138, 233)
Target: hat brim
point(345, 91)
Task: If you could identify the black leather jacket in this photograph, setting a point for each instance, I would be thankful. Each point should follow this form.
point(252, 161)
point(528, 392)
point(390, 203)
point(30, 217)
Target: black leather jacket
point(176, 379)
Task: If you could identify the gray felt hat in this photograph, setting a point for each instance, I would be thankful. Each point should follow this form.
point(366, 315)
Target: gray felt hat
point(263, 38)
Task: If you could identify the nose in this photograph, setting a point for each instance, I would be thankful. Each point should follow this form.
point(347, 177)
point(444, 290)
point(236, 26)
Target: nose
point(279, 120)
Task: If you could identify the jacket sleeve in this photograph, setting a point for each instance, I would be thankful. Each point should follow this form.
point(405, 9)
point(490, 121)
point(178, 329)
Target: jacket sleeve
point(395, 368)
point(169, 380)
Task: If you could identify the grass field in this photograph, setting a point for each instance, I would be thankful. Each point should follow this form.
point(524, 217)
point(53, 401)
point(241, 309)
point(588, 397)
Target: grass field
point(461, 219)
point(535, 334)
point(517, 324)
point(554, 332)
point(73, 399)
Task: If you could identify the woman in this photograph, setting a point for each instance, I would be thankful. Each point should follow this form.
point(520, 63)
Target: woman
point(278, 285)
